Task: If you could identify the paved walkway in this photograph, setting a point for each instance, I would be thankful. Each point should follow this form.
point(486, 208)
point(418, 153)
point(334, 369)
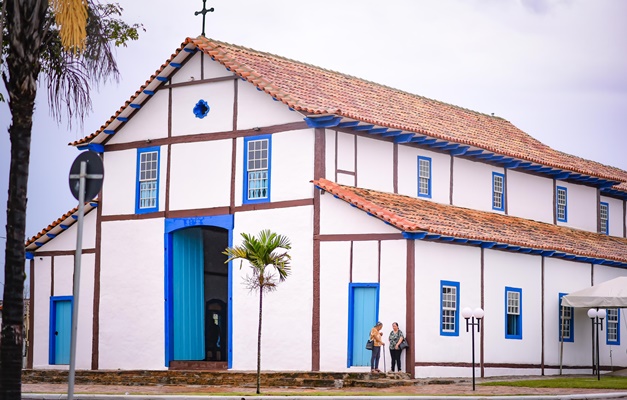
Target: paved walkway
point(425, 389)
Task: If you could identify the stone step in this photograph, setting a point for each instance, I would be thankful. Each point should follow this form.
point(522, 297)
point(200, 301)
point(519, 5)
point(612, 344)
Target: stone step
point(219, 378)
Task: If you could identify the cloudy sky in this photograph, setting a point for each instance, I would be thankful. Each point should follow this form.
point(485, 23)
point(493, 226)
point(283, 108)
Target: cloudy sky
point(557, 69)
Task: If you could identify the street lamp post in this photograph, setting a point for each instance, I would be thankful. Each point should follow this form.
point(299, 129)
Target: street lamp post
point(597, 317)
point(470, 315)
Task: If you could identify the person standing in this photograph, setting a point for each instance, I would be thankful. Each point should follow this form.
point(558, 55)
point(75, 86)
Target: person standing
point(396, 338)
point(377, 338)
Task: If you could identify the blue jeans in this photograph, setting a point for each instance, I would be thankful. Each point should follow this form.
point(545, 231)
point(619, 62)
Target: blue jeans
point(374, 359)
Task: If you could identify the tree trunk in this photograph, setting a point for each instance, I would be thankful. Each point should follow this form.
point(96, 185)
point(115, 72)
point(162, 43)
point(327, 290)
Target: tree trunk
point(25, 19)
point(259, 340)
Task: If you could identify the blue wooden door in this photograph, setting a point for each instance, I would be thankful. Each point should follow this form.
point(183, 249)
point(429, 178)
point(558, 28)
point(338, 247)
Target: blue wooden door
point(363, 315)
point(61, 331)
point(188, 291)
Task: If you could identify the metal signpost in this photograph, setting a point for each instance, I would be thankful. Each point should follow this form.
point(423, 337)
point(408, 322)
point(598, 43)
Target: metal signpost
point(86, 175)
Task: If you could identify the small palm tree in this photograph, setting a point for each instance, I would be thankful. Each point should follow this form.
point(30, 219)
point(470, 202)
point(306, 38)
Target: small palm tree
point(261, 252)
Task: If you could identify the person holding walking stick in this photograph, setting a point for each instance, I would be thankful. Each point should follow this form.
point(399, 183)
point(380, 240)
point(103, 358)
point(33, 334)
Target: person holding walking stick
point(376, 337)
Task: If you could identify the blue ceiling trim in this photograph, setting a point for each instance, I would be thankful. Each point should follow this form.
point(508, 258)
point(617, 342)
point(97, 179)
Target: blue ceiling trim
point(460, 151)
point(95, 147)
point(563, 175)
point(404, 138)
point(432, 236)
point(51, 235)
point(484, 155)
point(391, 133)
point(109, 131)
point(558, 254)
point(505, 160)
point(414, 235)
point(377, 131)
point(554, 171)
point(371, 214)
point(418, 139)
point(513, 248)
point(348, 124)
point(323, 122)
point(460, 240)
point(360, 128)
point(428, 141)
point(149, 92)
point(536, 251)
point(487, 245)
point(63, 226)
point(575, 176)
point(473, 242)
point(500, 245)
point(93, 204)
point(438, 144)
point(524, 164)
point(525, 250)
point(162, 78)
point(135, 106)
point(513, 164)
point(447, 239)
point(473, 153)
point(75, 216)
point(39, 244)
point(544, 170)
point(192, 50)
point(122, 119)
point(548, 253)
point(496, 158)
point(176, 65)
point(29, 255)
point(534, 167)
point(607, 184)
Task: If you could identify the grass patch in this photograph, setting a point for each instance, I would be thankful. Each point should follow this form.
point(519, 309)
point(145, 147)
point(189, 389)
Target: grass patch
point(584, 382)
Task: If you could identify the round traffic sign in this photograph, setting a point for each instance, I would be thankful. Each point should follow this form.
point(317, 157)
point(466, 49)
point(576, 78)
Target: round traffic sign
point(94, 174)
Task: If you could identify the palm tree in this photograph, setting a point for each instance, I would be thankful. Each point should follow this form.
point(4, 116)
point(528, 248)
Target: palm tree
point(261, 252)
point(32, 44)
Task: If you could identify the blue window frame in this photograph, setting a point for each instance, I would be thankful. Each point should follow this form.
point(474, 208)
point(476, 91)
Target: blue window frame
point(613, 326)
point(424, 176)
point(513, 313)
point(257, 173)
point(566, 321)
point(562, 204)
point(604, 217)
point(449, 308)
point(147, 189)
point(498, 191)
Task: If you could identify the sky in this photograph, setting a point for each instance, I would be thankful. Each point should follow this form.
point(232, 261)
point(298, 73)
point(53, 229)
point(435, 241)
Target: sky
point(557, 69)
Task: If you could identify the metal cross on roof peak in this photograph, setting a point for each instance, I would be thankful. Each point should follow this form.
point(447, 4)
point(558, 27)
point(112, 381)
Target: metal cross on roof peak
point(204, 11)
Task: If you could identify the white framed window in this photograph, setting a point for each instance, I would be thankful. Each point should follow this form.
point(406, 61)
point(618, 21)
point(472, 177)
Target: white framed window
point(566, 321)
point(257, 159)
point(562, 206)
point(424, 176)
point(613, 326)
point(147, 190)
point(513, 313)
point(604, 213)
point(498, 191)
point(449, 308)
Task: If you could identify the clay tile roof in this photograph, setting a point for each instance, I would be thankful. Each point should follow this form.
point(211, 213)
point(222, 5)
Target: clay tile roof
point(317, 91)
point(59, 225)
point(410, 214)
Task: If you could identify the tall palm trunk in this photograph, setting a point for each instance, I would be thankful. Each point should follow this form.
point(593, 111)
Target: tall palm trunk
point(25, 21)
point(259, 341)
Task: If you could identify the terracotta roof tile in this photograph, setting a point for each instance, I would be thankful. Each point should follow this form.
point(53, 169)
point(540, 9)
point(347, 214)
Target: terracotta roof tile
point(315, 91)
point(411, 214)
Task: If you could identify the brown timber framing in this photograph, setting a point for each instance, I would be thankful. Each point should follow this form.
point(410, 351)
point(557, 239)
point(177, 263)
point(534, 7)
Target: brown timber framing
point(205, 137)
point(31, 315)
point(319, 172)
point(95, 337)
point(410, 301)
point(54, 253)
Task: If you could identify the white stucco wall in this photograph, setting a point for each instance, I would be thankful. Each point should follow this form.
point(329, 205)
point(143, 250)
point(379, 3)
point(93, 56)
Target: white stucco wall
point(393, 293)
point(616, 217)
point(345, 147)
point(581, 204)
point(335, 213)
point(292, 165)
point(66, 240)
point(213, 69)
point(436, 262)
point(41, 309)
point(529, 196)
point(375, 164)
point(579, 275)
point(148, 122)
point(472, 184)
point(365, 261)
point(517, 271)
point(63, 275)
point(329, 154)
point(218, 95)
point(256, 109)
point(288, 309)
point(132, 288)
point(408, 173)
point(190, 71)
point(200, 175)
point(120, 182)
